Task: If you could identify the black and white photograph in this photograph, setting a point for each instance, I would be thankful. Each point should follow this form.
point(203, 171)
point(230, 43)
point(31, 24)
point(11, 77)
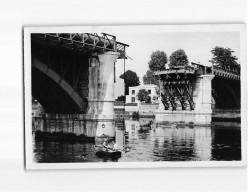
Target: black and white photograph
point(123, 96)
point(134, 96)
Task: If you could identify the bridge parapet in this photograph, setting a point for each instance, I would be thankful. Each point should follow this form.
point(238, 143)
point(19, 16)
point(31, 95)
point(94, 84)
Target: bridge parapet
point(227, 74)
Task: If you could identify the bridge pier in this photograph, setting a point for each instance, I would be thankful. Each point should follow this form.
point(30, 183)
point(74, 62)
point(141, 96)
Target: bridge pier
point(101, 94)
point(203, 94)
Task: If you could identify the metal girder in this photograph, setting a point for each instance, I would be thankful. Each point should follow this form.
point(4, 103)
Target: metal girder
point(173, 71)
point(83, 42)
point(174, 92)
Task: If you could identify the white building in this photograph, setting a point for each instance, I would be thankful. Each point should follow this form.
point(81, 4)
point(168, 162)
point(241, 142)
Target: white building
point(133, 91)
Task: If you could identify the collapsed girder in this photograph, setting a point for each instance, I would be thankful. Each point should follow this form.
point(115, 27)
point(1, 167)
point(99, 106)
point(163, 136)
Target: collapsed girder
point(178, 86)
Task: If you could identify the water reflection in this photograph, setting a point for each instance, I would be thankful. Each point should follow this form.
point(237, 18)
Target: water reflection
point(153, 143)
point(168, 143)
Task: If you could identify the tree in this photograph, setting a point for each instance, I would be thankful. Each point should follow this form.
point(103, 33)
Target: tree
point(130, 79)
point(223, 57)
point(158, 61)
point(143, 95)
point(178, 58)
point(149, 78)
point(121, 98)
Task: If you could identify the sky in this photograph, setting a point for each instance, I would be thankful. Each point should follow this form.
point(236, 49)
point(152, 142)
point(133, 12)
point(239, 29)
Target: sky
point(197, 45)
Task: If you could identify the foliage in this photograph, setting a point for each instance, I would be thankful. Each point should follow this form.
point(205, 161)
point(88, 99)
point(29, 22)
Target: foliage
point(223, 57)
point(121, 98)
point(143, 95)
point(158, 92)
point(158, 61)
point(149, 78)
point(130, 79)
point(178, 58)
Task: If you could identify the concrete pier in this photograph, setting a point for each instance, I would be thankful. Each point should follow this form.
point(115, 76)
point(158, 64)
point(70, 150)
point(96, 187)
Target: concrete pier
point(101, 94)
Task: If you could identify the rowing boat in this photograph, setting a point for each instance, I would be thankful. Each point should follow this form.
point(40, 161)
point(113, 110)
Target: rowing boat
point(108, 153)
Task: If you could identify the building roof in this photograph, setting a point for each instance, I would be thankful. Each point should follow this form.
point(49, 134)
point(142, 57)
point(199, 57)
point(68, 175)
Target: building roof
point(145, 86)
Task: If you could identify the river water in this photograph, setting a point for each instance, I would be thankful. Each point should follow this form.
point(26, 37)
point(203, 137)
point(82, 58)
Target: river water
point(221, 142)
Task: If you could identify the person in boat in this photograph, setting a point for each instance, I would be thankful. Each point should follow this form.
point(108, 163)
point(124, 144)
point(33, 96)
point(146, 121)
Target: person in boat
point(110, 145)
point(105, 144)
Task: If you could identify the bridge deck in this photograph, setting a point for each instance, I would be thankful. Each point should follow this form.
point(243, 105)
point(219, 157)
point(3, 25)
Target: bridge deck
point(201, 70)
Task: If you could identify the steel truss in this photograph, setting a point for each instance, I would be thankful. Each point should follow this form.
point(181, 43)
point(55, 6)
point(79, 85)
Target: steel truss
point(85, 42)
point(175, 91)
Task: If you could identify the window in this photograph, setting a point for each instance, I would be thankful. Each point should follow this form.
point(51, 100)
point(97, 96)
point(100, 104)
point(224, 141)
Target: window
point(149, 91)
point(149, 99)
point(133, 99)
point(133, 127)
point(133, 92)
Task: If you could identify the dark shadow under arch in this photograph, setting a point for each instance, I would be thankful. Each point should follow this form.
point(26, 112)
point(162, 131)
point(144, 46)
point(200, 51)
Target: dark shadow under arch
point(226, 94)
point(54, 93)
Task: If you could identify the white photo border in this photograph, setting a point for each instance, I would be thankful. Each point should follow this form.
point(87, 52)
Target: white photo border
point(30, 164)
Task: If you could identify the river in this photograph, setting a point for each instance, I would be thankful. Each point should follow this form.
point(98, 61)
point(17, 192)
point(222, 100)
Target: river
point(220, 142)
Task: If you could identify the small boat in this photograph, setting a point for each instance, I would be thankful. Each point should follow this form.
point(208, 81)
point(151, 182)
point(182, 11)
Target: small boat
point(108, 153)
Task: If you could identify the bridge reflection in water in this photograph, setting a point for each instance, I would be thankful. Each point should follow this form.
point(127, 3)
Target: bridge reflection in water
point(155, 143)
